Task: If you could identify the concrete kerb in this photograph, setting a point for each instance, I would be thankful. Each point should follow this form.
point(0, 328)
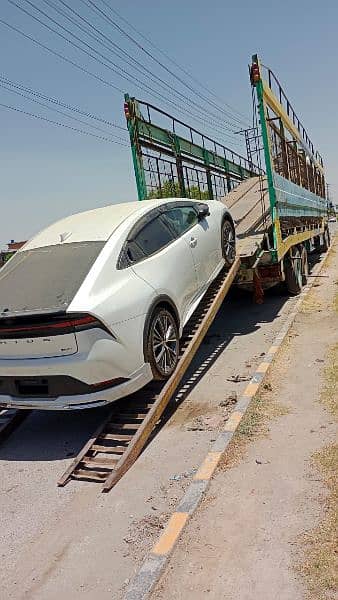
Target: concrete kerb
point(153, 566)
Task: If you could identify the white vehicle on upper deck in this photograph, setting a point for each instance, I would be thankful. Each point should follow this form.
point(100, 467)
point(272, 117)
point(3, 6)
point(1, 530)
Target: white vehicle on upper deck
point(93, 307)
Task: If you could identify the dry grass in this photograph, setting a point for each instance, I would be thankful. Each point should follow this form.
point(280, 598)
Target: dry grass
point(320, 567)
point(330, 392)
point(254, 424)
point(311, 303)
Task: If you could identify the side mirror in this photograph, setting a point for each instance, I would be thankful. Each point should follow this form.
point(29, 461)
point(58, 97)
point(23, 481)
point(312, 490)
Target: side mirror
point(203, 211)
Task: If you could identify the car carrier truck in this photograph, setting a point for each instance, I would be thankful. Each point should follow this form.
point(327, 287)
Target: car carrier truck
point(276, 195)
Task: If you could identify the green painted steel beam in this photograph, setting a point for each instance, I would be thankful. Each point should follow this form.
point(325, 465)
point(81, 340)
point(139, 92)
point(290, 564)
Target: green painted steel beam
point(267, 154)
point(136, 153)
point(149, 131)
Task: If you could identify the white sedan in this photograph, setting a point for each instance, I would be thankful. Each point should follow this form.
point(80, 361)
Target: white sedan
point(93, 307)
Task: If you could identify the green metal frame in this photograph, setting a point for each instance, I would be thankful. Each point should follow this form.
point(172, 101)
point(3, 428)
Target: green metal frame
point(145, 134)
point(280, 246)
point(267, 156)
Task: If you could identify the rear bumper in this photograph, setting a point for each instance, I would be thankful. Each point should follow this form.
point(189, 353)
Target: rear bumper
point(137, 380)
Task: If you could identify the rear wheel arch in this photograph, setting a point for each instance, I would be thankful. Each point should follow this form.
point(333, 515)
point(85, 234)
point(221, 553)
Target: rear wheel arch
point(162, 353)
point(161, 301)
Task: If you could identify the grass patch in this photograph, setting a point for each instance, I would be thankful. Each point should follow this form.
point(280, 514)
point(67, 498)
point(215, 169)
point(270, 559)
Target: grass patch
point(335, 304)
point(329, 395)
point(311, 303)
point(320, 568)
point(254, 424)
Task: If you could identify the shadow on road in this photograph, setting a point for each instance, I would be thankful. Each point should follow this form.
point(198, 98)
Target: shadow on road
point(48, 436)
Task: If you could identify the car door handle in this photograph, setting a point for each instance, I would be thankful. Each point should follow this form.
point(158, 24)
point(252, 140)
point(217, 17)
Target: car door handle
point(193, 242)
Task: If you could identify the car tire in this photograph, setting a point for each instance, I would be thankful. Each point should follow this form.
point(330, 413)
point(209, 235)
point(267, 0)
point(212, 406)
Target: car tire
point(228, 241)
point(162, 343)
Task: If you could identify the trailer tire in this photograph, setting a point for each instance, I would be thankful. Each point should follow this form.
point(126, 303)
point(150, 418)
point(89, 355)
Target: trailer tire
point(326, 241)
point(305, 264)
point(293, 271)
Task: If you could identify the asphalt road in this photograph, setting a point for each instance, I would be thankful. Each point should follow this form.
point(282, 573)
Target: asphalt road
point(76, 542)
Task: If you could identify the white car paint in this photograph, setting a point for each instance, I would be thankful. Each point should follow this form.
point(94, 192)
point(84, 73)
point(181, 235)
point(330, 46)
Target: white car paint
point(120, 298)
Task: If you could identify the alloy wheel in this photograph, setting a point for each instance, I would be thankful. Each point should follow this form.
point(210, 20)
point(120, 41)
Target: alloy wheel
point(228, 243)
point(165, 343)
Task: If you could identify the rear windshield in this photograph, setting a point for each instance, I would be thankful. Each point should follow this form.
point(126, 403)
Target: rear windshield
point(45, 278)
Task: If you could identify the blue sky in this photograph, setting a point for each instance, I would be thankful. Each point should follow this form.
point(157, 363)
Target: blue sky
point(47, 172)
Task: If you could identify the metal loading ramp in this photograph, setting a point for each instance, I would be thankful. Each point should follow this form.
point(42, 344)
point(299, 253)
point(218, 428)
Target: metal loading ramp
point(121, 437)
point(249, 206)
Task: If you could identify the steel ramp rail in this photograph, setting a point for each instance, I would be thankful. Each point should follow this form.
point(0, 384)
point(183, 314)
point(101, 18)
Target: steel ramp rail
point(121, 437)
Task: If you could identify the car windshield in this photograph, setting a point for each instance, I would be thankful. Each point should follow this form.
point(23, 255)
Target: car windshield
point(45, 278)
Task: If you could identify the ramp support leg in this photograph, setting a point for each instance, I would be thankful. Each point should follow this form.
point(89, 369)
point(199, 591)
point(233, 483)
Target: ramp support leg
point(258, 289)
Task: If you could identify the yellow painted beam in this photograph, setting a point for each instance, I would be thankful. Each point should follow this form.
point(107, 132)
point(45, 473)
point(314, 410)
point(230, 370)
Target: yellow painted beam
point(278, 109)
point(297, 238)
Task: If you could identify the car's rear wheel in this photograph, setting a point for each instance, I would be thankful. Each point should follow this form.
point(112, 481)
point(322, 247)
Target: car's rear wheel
point(228, 243)
point(162, 344)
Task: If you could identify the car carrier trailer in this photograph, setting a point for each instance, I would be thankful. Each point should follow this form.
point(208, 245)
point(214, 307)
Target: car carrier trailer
point(280, 213)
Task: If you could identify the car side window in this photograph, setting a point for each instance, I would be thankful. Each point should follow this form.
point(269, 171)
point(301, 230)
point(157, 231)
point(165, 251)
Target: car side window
point(181, 218)
point(154, 236)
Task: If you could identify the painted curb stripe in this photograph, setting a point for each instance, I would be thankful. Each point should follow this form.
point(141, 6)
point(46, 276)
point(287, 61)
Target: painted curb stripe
point(251, 389)
point(153, 566)
point(171, 533)
point(208, 465)
point(233, 421)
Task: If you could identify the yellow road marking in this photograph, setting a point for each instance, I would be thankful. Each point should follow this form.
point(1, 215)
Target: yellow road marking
point(263, 367)
point(251, 389)
point(171, 533)
point(208, 465)
point(233, 421)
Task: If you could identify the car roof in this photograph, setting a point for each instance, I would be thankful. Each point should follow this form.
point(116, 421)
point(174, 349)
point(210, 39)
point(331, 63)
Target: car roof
point(92, 225)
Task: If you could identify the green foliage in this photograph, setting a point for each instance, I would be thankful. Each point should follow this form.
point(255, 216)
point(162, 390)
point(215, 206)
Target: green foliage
point(171, 189)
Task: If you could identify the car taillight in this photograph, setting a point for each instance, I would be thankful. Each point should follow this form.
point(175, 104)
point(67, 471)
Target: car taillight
point(52, 325)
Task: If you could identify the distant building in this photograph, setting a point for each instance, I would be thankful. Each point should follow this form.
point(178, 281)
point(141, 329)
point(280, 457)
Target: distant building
point(12, 247)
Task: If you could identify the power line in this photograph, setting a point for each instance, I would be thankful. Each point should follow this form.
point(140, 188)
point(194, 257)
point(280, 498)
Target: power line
point(59, 102)
point(61, 112)
point(97, 77)
point(156, 47)
point(115, 67)
point(150, 55)
point(59, 55)
point(130, 60)
point(73, 63)
point(24, 112)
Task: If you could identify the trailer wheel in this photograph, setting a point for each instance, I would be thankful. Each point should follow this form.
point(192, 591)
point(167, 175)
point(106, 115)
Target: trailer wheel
point(293, 271)
point(305, 264)
point(162, 343)
point(326, 241)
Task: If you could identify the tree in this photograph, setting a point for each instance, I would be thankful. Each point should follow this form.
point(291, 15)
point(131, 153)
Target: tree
point(171, 189)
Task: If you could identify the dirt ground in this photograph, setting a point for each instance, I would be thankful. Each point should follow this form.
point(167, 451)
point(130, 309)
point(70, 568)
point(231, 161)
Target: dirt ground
point(258, 535)
point(78, 543)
